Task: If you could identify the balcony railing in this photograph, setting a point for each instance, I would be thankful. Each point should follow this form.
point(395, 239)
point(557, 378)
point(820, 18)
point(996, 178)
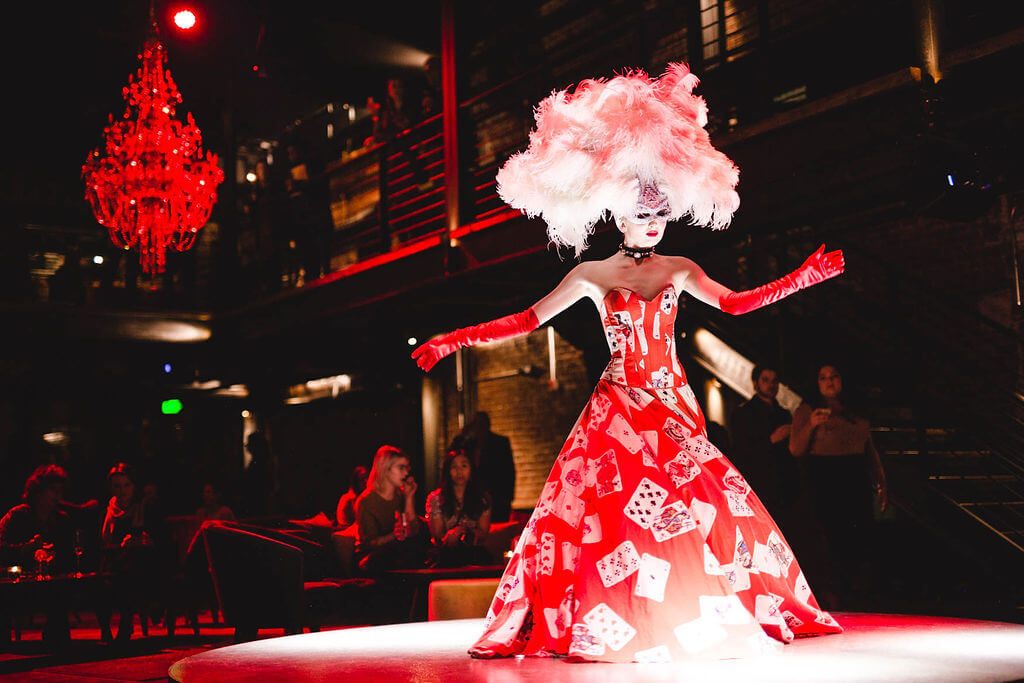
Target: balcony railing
point(317, 217)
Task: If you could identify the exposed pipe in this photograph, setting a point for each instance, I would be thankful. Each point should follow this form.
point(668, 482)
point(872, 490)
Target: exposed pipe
point(450, 107)
point(1016, 256)
point(928, 20)
point(552, 374)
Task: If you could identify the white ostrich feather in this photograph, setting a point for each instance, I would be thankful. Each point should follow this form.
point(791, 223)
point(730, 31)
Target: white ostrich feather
point(590, 150)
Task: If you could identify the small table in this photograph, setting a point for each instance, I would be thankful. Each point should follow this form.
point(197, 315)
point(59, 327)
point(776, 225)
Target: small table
point(52, 594)
point(420, 580)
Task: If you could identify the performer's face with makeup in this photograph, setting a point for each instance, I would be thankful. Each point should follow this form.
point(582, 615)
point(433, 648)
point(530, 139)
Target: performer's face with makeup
point(642, 231)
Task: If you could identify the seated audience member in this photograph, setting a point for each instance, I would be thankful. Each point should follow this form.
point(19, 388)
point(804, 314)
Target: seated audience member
point(389, 531)
point(212, 509)
point(37, 535)
point(346, 513)
point(38, 522)
point(136, 548)
point(459, 514)
point(493, 464)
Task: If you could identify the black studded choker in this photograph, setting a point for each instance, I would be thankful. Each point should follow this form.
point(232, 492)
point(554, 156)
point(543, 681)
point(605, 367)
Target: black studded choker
point(634, 253)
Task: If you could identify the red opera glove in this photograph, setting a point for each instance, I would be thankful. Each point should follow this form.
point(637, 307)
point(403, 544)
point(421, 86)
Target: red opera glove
point(818, 267)
point(510, 326)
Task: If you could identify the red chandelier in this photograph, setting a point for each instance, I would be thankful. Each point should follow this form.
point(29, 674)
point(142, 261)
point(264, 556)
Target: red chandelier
point(148, 183)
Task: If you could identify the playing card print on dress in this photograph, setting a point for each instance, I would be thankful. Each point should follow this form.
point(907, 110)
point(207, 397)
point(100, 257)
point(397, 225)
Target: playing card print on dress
point(573, 475)
point(705, 514)
point(661, 377)
point(509, 628)
point(651, 577)
point(622, 562)
point(696, 569)
point(584, 642)
point(547, 553)
point(568, 508)
point(765, 561)
point(649, 451)
point(570, 556)
point(668, 299)
point(742, 556)
point(766, 609)
point(620, 430)
point(645, 502)
point(700, 634)
point(671, 520)
point(701, 449)
point(659, 654)
point(738, 505)
point(612, 629)
point(779, 550)
point(712, 567)
point(591, 529)
point(737, 576)
point(724, 609)
point(606, 473)
point(599, 408)
point(681, 469)
point(735, 482)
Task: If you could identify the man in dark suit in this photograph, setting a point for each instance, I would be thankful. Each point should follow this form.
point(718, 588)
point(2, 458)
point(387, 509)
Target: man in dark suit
point(493, 464)
point(760, 442)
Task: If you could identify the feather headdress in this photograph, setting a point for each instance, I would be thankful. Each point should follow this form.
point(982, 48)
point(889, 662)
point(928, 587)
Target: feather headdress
point(594, 149)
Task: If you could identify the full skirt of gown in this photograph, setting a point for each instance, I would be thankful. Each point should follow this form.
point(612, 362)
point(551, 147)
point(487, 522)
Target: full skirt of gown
point(648, 545)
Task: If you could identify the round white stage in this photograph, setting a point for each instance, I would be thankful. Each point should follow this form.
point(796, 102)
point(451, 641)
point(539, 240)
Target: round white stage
point(875, 647)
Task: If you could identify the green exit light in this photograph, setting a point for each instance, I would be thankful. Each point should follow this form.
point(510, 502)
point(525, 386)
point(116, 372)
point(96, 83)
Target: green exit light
point(171, 406)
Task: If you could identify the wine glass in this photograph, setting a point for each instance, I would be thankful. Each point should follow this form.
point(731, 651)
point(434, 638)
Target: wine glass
point(43, 556)
point(79, 549)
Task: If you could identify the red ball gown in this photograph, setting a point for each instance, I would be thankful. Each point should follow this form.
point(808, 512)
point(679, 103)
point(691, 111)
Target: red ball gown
point(647, 544)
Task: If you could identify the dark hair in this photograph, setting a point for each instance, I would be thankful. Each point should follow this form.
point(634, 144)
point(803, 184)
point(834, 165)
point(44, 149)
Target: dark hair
point(42, 478)
point(256, 444)
point(474, 499)
point(755, 374)
point(851, 402)
point(122, 468)
point(359, 478)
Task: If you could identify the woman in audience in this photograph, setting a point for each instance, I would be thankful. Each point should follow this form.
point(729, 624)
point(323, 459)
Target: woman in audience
point(135, 542)
point(212, 508)
point(459, 514)
point(843, 472)
point(389, 531)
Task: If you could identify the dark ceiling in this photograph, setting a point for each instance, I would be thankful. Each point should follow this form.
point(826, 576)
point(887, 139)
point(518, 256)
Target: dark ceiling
point(66, 64)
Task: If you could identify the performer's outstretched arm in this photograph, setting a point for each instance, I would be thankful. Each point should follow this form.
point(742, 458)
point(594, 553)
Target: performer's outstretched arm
point(818, 267)
point(569, 291)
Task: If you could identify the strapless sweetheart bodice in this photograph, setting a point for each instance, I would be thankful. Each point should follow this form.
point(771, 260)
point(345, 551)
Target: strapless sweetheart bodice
point(641, 338)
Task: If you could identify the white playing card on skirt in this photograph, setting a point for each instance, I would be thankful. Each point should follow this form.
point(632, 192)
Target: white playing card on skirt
point(651, 577)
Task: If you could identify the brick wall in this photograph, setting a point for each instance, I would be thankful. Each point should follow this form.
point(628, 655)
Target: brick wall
point(535, 418)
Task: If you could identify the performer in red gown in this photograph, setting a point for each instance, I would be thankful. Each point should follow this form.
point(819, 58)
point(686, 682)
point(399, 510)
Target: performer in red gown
point(646, 543)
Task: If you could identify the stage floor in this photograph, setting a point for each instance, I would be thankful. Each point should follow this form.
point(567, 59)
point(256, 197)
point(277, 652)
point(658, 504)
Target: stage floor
point(875, 647)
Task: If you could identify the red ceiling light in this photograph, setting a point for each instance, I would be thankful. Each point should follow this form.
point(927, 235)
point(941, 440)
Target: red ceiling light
point(149, 183)
point(184, 19)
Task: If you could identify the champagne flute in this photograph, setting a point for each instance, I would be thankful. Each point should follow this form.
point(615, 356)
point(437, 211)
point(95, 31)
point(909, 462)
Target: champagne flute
point(79, 550)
